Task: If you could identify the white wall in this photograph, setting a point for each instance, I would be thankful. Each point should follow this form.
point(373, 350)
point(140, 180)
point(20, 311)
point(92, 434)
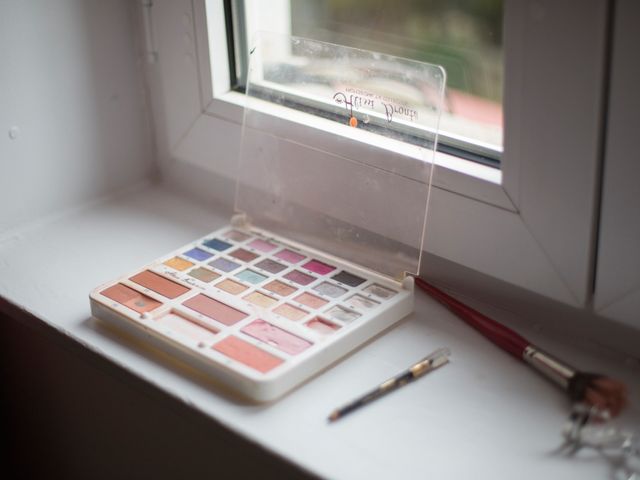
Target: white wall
point(71, 83)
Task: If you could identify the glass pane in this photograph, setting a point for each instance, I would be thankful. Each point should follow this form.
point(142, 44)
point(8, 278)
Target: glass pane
point(464, 36)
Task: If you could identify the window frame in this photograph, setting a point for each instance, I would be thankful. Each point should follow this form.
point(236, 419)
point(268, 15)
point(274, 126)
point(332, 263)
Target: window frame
point(531, 224)
point(220, 101)
point(451, 142)
point(617, 294)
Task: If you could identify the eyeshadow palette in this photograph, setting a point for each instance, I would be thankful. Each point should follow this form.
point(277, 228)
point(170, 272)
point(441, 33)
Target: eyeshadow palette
point(327, 230)
point(263, 320)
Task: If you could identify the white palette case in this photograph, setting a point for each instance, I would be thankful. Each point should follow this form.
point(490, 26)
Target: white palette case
point(355, 225)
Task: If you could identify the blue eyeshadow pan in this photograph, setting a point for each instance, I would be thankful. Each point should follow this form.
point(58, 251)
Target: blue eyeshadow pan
point(217, 244)
point(198, 254)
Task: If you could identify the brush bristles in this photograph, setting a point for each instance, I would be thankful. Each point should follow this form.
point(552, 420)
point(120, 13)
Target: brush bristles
point(607, 394)
point(601, 392)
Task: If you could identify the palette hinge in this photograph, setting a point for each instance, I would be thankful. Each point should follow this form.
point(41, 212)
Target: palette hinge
point(240, 220)
point(408, 282)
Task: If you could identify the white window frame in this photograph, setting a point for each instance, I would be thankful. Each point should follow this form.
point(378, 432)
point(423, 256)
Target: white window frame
point(532, 224)
point(617, 294)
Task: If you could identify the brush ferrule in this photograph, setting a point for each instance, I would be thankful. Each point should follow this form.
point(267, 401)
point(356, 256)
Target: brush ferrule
point(555, 370)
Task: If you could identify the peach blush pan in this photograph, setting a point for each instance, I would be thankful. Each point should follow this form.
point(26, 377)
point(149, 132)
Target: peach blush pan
point(130, 298)
point(247, 354)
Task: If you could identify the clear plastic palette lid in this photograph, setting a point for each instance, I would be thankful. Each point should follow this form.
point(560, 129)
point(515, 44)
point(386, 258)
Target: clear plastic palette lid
point(337, 148)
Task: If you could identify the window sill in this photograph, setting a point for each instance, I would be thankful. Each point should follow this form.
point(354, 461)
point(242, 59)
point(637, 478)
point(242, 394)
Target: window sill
point(482, 388)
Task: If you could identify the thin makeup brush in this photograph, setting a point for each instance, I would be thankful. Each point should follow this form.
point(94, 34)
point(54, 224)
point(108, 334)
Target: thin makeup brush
point(597, 390)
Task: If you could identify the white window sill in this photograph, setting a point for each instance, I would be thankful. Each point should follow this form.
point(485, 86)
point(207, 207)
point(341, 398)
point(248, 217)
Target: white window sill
point(484, 407)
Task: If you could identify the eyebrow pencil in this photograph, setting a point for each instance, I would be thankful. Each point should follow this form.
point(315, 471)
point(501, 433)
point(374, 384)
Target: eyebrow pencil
point(431, 362)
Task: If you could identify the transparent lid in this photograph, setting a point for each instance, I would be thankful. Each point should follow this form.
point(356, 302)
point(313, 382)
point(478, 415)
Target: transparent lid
point(319, 162)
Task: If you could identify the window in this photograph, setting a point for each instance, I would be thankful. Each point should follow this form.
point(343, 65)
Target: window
point(530, 223)
point(465, 37)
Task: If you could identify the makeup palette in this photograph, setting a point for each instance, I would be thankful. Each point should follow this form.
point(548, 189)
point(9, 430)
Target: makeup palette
point(316, 260)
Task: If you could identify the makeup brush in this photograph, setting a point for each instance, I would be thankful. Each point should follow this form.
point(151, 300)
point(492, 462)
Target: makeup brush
point(598, 390)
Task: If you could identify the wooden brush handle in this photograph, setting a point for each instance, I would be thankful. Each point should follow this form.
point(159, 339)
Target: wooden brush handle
point(502, 336)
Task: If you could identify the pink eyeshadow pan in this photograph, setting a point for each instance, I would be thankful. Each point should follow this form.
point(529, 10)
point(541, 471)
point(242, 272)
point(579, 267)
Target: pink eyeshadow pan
point(276, 337)
point(247, 354)
point(318, 267)
point(262, 245)
point(290, 256)
point(299, 277)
